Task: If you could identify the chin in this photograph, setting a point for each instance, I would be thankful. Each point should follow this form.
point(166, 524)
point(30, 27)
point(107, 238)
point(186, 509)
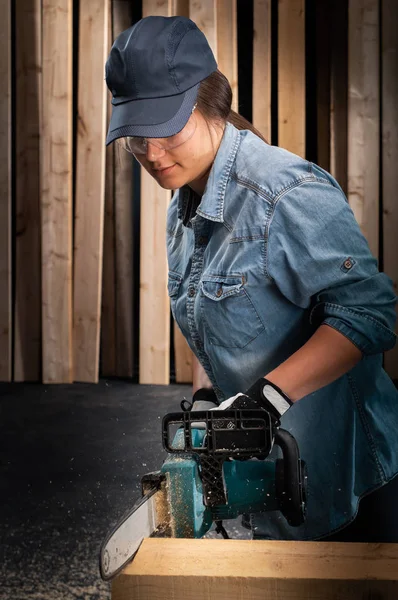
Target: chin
point(168, 186)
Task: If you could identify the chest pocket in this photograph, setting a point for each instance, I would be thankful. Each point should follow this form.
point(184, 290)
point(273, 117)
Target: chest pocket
point(228, 313)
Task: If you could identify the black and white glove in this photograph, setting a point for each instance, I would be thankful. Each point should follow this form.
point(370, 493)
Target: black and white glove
point(203, 399)
point(262, 394)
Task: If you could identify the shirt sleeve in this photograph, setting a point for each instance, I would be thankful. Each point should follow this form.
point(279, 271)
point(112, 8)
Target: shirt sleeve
point(320, 260)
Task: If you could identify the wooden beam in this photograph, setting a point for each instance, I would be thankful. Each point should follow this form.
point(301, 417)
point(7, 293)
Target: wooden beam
point(56, 181)
point(182, 357)
point(208, 569)
point(180, 8)
point(108, 304)
point(5, 192)
point(204, 13)
point(322, 53)
point(363, 117)
point(154, 361)
point(390, 155)
point(182, 352)
point(90, 188)
point(291, 75)
point(262, 67)
point(27, 315)
point(227, 45)
point(339, 91)
point(124, 251)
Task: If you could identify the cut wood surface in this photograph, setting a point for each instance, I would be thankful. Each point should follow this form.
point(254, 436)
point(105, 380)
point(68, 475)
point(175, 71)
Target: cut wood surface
point(90, 187)
point(124, 253)
point(390, 155)
point(27, 319)
point(227, 45)
point(56, 193)
point(185, 569)
point(108, 302)
point(262, 67)
point(5, 192)
point(154, 344)
point(291, 75)
point(204, 13)
point(363, 117)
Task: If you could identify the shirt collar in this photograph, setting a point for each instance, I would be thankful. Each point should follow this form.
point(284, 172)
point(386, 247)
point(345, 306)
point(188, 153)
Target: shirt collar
point(212, 203)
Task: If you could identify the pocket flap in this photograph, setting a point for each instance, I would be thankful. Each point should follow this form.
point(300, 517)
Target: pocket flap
point(221, 287)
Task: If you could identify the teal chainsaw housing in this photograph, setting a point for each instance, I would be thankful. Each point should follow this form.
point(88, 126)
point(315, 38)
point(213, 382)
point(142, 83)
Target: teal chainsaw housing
point(250, 486)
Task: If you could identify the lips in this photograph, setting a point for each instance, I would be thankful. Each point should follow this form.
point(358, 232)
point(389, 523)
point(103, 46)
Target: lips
point(164, 170)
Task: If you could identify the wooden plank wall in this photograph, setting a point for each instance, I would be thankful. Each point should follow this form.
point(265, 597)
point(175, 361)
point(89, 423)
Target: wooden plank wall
point(262, 67)
point(354, 133)
point(389, 49)
point(291, 75)
point(108, 304)
point(363, 117)
point(154, 301)
point(56, 192)
point(124, 253)
point(90, 183)
point(28, 82)
point(5, 193)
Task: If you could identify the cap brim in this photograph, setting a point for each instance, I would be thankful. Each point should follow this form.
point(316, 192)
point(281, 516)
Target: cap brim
point(152, 117)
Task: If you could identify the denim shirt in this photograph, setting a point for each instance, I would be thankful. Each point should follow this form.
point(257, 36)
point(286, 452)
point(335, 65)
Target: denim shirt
point(271, 251)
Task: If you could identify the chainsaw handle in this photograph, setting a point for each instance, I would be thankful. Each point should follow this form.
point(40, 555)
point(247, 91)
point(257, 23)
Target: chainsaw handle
point(290, 479)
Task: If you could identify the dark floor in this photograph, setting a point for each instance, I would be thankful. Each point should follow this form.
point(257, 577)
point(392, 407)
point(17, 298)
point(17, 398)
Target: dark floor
point(72, 457)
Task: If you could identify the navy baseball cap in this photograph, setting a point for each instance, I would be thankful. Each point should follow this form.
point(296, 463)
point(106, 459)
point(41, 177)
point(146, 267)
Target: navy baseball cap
point(153, 71)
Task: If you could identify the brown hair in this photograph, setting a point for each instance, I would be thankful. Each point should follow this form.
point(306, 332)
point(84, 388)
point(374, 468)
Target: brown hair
point(214, 102)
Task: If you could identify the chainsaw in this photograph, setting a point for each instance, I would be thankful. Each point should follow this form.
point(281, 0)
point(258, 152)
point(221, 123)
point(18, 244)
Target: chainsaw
point(217, 469)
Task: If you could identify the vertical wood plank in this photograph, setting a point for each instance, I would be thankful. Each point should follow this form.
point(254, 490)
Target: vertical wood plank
point(90, 187)
point(322, 36)
point(27, 323)
point(180, 8)
point(56, 158)
point(390, 154)
point(227, 44)
point(108, 305)
point(123, 189)
point(5, 192)
point(182, 352)
point(204, 13)
point(363, 117)
point(339, 91)
point(183, 357)
point(262, 67)
point(291, 75)
point(154, 342)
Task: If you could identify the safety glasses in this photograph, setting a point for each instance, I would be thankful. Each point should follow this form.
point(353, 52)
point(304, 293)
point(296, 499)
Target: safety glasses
point(139, 145)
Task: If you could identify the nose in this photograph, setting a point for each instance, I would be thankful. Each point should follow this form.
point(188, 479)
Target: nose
point(153, 152)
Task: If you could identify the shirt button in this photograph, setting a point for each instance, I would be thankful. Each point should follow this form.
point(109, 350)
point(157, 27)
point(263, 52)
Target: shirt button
point(348, 264)
point(219, 292)
point(203, 240)
point(191, 292)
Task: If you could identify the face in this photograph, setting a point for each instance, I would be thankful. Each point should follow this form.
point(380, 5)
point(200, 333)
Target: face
point(190, 163)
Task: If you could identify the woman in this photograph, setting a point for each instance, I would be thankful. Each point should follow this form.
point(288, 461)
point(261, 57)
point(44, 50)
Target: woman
point(270, 279)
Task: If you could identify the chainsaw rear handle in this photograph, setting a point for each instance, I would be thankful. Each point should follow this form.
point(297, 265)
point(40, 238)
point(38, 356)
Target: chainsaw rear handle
point(291, 479)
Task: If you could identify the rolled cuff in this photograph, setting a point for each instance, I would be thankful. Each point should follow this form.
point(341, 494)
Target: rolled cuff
point(369, 335)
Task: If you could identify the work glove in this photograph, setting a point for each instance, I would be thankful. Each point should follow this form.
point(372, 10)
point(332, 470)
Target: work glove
point(202, 396)
point(262, 394)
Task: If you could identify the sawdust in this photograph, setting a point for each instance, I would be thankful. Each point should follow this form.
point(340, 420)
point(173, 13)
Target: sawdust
point(163, 509)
